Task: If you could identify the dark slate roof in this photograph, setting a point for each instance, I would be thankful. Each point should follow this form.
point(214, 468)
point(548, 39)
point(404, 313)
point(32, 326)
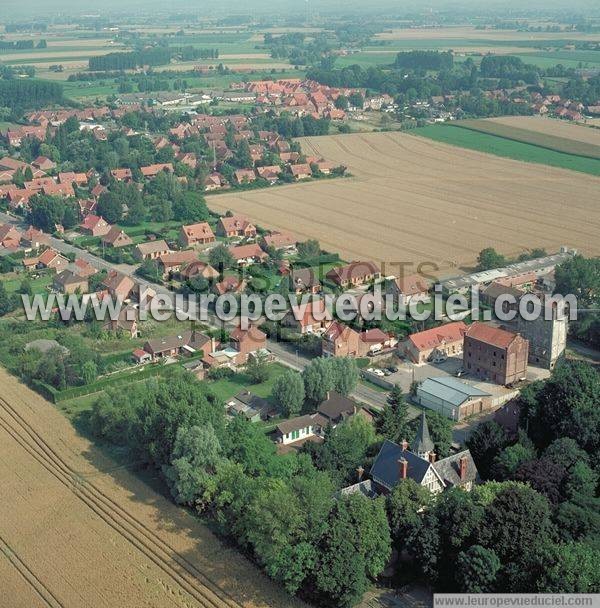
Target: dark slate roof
point(422, 442)
point(449, 469)
point(336, 407)
point(386, 468)
point(362, 487)
point(264, 407)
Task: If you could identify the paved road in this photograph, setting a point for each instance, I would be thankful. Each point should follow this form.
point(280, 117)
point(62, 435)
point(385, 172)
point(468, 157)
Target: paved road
point(371, 397)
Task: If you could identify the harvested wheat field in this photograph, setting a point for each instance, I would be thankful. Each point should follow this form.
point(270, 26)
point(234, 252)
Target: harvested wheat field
point(414, 200)
point(76, 530)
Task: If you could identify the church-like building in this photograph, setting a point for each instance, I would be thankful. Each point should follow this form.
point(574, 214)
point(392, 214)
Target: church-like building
point(418, 462)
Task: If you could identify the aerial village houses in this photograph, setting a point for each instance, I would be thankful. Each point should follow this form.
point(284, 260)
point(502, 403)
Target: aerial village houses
point(354, 274)
point(50, 258)
point(198, 269)
point(172, 263)
point(196, 234)
point(245, 255)
point(68, 282)
point(10, 237)
point(116, 238)
point(406, 288)
point(279, 241)
point(304, 280)
point(151, 250)
point(332, 411)
point(94, 225)
point(495, 354)
point(314, 317)
point(119, 285)
point(236, 225)
point(438, 342)
point(247, 342)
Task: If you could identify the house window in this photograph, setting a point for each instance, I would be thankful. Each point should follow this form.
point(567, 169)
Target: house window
point(295, 434)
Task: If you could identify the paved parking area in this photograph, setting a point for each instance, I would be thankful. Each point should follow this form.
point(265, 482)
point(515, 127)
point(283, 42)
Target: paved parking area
point(408, 371)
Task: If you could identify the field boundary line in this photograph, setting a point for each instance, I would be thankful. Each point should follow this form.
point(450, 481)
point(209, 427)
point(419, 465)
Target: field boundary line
point(25, 571)
point(115, 516)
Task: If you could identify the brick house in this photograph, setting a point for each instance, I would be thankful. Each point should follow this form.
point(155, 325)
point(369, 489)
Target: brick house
point(339, 340)
point(406, 288)
point(151, 250)
point(443, 341)
point(118, 285)
point(69, 282)
point(312, 318)
point(116, 237)
point(196, 234)
point(236, 225)
point(494, 354)
point(247, 342)
point(198, 269)
point(245, 255)
point(354, 274)
point(171, 263)
point(10, 237)
point(94, 225)
point(52, 259)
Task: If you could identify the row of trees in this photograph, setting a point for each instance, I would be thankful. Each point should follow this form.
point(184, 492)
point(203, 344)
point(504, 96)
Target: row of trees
point(280, 508)
point(130, 61)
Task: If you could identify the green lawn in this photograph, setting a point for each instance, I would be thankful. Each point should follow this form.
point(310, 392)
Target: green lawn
point(228, 387)
point(37, 285)
point(507, 148)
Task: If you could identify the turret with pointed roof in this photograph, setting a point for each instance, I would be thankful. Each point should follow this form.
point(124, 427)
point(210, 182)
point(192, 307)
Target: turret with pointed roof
point(422, 445)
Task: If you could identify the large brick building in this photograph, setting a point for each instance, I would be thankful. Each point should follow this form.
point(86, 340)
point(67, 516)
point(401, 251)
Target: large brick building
point(494, 354)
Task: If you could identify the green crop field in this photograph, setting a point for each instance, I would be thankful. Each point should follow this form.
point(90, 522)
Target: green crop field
point(499, 146)
point(366, 59)
point(539, 139)
point(569, 59)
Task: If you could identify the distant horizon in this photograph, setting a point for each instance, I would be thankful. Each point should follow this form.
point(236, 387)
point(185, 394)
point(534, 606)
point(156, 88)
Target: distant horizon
point(17, 9)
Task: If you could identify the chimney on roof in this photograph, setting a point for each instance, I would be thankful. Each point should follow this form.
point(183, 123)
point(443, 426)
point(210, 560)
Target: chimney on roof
point(359, 473)
point(327, 395)
point(354, 410)
point(213, 345)
point(403, 467)
point(462, 465)
point(432, 457)
point(404, 445)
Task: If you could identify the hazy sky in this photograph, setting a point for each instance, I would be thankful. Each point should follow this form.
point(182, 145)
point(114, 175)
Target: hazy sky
point(11, 9)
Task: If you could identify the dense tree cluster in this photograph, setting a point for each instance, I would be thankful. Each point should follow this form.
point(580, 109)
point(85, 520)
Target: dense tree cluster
point(280, 508)
point(425, 60)
point(130, 61)
point(23, 94)
point(580, 277)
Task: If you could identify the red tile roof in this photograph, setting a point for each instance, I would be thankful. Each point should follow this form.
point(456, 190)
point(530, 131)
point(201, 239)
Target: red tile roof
point(491, 335)
point(432, 338)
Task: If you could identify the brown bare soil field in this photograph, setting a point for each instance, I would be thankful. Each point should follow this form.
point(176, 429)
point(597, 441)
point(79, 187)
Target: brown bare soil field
point(78, 530)
point(551, 126)
point(414, 200)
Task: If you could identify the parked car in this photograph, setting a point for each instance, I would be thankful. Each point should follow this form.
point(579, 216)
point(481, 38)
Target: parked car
point(379, 372)
point(392, 369)
point(387, 372)
point(460, 372)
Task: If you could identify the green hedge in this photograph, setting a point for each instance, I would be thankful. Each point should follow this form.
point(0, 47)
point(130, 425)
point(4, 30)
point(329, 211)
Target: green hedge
point(116, 380)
